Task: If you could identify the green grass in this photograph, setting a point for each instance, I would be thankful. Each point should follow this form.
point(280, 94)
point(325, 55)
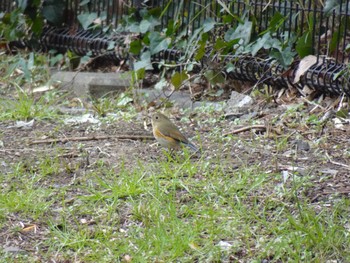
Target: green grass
point(25, 107)
point(172, 211)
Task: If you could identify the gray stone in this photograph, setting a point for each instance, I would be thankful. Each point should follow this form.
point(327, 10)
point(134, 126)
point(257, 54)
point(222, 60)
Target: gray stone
point(13, 249)
point(91, 84)
point(302, 145)
point(95, 85)
point(238, 101)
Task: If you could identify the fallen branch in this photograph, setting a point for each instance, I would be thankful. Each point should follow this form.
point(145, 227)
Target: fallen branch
point(252, 127)
point(94, 138)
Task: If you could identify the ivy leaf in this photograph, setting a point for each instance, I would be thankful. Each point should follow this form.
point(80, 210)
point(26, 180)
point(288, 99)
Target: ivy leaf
point(259, 44)
point(148, 24)
point(86, 19)
point(284, 57)
point(145, 62)
point(111, 45)
point(332, 5)
point(178, 78)
point(243, 31)
point(266, 42)
point(133, 28)
point(135, 47)
point(139, 74)
point(164, 44)
point(144, 26)
point(227, 9)
point(227, 19)
point(200, 52)
point(214, 77)
point(170, 29)
point(53, 11)
point(201, 49)
point(55, 59)
point(158, 43)
point(38, 24)
point(219, 44)
point(275, 22)
point(229, 67)
point(22, 4)
point(208, 24)
point(304, 45)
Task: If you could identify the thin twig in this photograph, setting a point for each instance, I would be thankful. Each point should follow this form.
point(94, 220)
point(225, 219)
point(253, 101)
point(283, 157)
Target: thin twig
point(336, 163)
point(68, 155)
point(313, 103)
point(243, 129)
point(340, 102)
point(93, 138)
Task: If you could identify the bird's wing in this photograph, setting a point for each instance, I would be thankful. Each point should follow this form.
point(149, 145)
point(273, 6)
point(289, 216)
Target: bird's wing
point(174, 133)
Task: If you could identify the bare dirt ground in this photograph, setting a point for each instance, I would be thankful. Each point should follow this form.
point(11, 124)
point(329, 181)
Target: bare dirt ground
point(282, 144)
point(288, 145)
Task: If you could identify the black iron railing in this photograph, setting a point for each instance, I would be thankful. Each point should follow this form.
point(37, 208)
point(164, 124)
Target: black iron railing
point(321, 26)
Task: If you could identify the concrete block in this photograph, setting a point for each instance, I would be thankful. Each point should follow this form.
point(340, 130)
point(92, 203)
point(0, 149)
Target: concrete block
point(92, 84)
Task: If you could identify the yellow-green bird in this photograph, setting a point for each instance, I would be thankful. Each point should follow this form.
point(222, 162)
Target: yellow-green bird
point(167, 134)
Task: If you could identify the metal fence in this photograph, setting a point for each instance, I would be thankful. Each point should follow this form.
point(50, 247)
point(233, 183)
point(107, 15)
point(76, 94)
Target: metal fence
point(328, 27)
point(323, 25)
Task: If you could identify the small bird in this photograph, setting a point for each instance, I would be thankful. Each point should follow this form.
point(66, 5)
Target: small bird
point(167, 134)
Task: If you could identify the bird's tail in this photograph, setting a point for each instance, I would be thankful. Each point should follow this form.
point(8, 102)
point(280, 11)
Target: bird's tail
point(192, 146)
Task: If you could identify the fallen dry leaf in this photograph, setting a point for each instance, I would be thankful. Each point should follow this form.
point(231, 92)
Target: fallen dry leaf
point(29, 228)
point(304, 65)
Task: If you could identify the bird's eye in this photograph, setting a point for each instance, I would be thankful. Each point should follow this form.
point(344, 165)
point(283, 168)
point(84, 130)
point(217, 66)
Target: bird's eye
point(156, 117)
